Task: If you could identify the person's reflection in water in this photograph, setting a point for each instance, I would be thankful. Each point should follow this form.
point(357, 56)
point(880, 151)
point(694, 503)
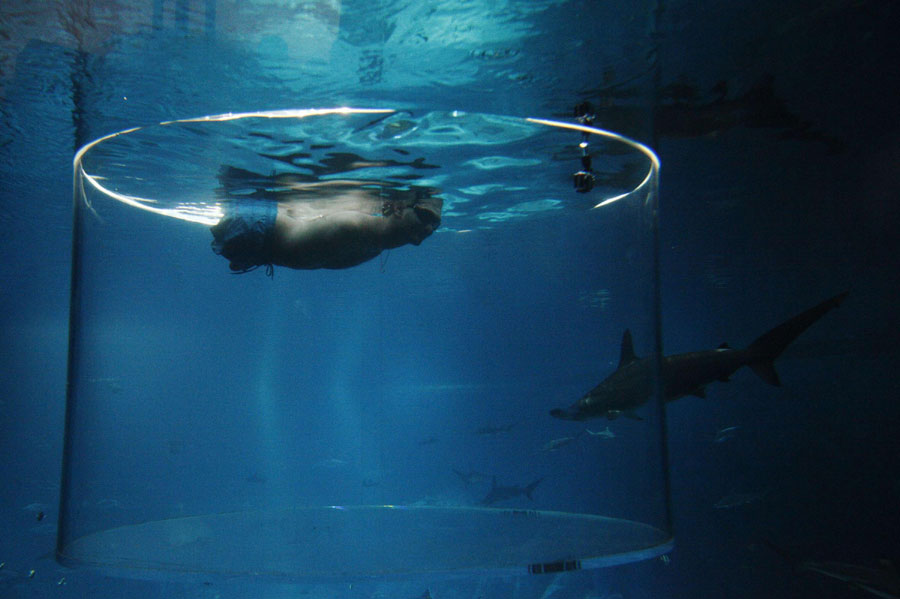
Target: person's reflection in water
point(333, 224)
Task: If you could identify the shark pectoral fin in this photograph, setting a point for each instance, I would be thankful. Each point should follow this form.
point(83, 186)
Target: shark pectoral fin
point(766, 371)
point(530, 488)
point(699, 392)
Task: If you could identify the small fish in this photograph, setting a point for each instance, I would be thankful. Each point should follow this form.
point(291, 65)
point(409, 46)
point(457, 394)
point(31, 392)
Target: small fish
point(737, 500)
point(882, 580)
point(723, 434)
point(40, 516)
point(494, 430)
point(604, 434)
point(555, 444)
point(428, 441)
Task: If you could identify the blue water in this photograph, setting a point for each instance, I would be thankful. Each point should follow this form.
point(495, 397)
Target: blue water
point(775, 196)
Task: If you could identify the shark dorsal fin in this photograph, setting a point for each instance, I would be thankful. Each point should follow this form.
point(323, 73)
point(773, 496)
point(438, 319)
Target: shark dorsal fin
point(627, 356)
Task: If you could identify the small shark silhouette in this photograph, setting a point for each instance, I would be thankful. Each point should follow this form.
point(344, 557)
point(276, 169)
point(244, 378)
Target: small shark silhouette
point(470, 477)
point(726, 433)
point(494, 430)
point(556, 444)
point(881, 581)
point(631, 385)
point(684, 111)
point(498, 493)
point(734, 500)
point(604, 434)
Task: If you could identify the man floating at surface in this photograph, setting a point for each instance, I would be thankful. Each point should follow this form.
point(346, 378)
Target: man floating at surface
point(330, 224)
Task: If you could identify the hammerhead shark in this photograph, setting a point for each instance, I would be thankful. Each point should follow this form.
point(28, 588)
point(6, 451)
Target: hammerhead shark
point(632, 383)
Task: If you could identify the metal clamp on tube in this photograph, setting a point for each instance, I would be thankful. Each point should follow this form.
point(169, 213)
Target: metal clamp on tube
point(584, 179)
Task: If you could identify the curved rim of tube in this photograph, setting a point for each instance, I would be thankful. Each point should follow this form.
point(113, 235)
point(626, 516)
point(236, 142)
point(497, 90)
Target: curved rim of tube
point(210, 215)
point(643, 149)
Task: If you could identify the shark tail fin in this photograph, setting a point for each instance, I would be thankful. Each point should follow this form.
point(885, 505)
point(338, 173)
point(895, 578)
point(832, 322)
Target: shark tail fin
point(766, 348)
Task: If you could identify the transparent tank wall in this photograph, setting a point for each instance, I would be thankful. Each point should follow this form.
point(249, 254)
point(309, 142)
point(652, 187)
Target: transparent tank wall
point(387, 419)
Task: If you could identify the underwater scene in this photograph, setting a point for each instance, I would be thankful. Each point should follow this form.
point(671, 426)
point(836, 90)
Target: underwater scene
point(448, 300)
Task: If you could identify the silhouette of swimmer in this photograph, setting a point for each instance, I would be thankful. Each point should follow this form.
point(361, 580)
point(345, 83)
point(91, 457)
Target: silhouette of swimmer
point(311, 225)
point(685, 111)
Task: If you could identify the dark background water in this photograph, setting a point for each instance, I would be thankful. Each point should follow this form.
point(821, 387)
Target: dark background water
point(776, 125)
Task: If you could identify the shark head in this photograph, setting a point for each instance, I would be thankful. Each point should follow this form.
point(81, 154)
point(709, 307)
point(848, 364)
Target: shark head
point(627, 388)
point(607, 400)
point(577, 412)
point(565, 413)
point(571, 413)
